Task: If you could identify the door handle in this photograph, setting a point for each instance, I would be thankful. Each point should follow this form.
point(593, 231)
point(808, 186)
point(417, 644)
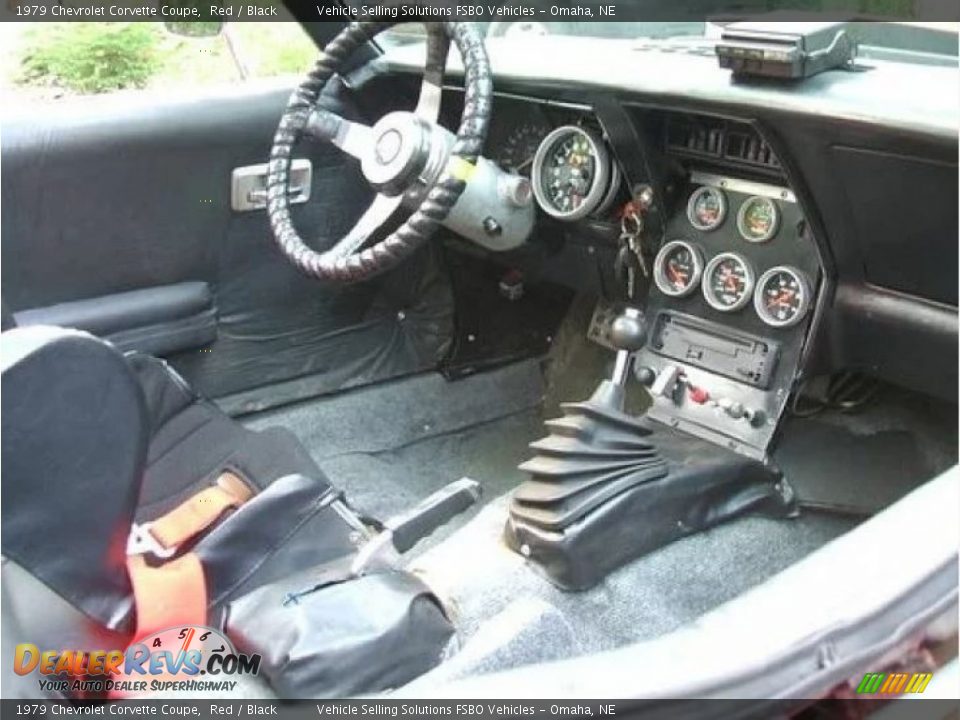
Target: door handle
point(248, 185)
point(259, 197)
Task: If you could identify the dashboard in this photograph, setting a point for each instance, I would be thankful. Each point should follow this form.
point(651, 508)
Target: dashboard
point(732, 270)
point(796, 230)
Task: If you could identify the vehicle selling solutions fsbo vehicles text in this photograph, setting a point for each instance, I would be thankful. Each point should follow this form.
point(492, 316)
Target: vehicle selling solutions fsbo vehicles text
point(476, 12)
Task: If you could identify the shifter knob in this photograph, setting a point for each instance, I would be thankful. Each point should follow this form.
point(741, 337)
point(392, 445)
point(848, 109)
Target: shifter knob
point(628, 331)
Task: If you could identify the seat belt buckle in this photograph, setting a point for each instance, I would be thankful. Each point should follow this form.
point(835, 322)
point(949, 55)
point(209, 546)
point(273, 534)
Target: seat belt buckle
point(142, 542)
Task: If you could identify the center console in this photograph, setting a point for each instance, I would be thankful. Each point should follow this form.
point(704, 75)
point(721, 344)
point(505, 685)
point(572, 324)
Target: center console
point(734, 288)
point(724, 349)
point(717, 341)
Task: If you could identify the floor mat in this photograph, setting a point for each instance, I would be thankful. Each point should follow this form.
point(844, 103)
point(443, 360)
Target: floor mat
point(862, 462)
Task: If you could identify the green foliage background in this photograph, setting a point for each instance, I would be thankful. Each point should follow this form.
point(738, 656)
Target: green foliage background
point(91, 57)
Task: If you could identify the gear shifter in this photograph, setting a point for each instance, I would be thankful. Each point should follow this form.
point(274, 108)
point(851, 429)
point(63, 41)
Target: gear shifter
point(628, 333)
point(606, 486)
point(594, 452)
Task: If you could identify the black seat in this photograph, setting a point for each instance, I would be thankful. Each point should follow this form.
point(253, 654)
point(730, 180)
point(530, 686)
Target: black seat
point(110, 440)
point(192, 441)
point(95, 443)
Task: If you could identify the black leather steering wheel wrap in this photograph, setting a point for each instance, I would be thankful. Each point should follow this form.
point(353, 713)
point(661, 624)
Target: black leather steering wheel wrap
point(347, 266)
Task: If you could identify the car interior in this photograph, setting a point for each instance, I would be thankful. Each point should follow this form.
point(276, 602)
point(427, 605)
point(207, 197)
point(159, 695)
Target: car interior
point(469, 354)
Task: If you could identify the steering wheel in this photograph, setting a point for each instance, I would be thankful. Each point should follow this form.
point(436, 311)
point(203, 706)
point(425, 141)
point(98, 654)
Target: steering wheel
point(402, 155)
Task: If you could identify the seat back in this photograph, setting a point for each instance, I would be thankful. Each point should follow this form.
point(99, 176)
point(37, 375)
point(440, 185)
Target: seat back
point(75, 435)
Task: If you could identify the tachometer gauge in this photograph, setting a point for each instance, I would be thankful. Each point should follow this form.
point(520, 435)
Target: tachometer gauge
point(782, 297)
point(678, 268)
point(707, 208)
point(758, 219)
point(727, 282)
point(520, 147)
point(571, 173)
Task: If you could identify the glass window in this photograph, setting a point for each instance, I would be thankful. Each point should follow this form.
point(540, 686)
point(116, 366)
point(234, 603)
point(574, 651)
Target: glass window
point(52, 61)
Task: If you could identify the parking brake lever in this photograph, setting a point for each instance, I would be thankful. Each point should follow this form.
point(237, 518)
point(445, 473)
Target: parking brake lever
point(403, 531)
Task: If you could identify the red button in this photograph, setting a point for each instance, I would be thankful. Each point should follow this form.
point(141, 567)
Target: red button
point(698, 395)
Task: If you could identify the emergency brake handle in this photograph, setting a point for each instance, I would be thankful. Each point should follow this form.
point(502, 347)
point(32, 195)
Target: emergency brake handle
point(438, 509)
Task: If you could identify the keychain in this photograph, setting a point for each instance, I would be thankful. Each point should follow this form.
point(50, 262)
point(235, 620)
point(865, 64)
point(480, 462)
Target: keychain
point(630, 259)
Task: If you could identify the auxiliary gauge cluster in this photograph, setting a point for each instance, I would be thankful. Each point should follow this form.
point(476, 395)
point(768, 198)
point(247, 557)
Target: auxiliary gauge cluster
point(728, 281)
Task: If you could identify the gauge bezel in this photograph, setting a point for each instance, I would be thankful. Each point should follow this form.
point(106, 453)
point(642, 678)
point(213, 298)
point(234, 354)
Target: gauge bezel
point(601, 180)
point(614, 188)
point(742, 214)
point(691, 208)
point(806, 298)
point(750, 281)
point(660, 278)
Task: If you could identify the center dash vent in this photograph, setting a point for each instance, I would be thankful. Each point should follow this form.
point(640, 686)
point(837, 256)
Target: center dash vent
point(720, 140)
point(748, 147)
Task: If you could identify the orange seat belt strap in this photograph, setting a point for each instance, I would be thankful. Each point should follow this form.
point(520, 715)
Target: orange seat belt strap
point(174, 592)
point(167, 595)
point(199, 512)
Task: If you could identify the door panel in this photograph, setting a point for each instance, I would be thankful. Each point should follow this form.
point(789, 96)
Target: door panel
point(104, 196)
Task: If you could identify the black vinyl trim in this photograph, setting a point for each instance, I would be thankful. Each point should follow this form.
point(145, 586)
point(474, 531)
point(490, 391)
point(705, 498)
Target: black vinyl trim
point(157, 320)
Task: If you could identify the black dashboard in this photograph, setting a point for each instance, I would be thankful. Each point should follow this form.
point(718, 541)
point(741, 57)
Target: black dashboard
point(731, 269)
point(858, 272)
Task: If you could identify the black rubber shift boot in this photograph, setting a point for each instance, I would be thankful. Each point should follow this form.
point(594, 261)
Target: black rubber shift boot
point(607, 488)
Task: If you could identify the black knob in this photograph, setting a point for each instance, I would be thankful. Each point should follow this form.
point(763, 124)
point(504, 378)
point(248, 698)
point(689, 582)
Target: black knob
point(491, 227)
point(645, 375)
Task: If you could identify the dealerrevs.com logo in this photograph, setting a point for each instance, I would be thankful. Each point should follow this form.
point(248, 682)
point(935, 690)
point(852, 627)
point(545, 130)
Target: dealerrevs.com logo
point(188, 658)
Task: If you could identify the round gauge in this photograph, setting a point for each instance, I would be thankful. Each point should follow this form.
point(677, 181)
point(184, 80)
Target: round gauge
point(520, 147)
point(707, 208)
point(727, 282)
point(783, 296)
point(758, 219)
point(678, 268)
point(571, 173)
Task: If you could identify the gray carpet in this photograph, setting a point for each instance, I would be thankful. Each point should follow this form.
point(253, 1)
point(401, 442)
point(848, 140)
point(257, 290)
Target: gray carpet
point(391, 445)
point(484, 582)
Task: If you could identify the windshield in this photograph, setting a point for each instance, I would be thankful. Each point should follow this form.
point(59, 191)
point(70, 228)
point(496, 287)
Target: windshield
point(939, 38)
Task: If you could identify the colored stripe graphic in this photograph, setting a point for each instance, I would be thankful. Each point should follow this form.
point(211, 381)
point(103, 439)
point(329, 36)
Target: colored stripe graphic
point(893, 683)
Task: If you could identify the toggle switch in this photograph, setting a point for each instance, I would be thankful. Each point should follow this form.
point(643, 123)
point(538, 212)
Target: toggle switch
point(666, 383)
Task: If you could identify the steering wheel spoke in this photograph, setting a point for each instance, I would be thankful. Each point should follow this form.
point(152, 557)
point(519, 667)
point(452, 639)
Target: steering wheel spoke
point(353, 138)
point(431, 88)
point(378, 214)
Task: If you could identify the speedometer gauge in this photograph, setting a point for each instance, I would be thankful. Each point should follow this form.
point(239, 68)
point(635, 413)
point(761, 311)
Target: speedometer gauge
point(782, 298)
point(520, 147)
point(707, 208)
point(727, 282)
point(571, 173)
point(678, 268)
point(758, 219)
